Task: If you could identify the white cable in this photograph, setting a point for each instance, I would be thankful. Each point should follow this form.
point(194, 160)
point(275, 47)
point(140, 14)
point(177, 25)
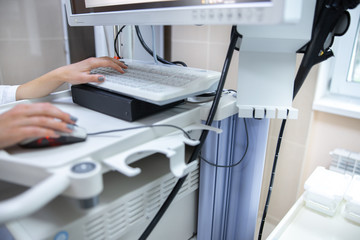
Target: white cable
point(107, 40)
point(154, 45)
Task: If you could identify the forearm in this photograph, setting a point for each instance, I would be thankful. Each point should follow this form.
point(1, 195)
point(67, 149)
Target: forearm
point(76, 73)
point(41, 86)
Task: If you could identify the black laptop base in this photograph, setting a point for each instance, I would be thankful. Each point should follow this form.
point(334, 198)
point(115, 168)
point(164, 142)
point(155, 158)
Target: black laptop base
point(114, 104)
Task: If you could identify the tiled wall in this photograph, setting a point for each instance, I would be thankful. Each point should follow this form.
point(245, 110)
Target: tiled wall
point(204, 47)
point(31, 39)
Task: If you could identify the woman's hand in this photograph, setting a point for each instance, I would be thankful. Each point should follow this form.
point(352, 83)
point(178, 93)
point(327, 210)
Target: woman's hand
point(76, 73)
point(79, 73)
point(32, 120)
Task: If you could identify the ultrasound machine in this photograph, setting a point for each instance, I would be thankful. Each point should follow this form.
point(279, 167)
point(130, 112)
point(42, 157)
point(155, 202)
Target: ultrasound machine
point(152, 165)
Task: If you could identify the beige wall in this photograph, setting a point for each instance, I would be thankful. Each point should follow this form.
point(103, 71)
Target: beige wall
point(307, 141)
point(204, 47)
point(31, 39)
point(328, 132)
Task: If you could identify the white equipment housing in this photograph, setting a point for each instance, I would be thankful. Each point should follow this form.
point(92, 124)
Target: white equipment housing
point(266, 75)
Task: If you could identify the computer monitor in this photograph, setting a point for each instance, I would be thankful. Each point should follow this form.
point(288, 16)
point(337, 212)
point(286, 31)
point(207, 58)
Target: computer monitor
point(180, 12)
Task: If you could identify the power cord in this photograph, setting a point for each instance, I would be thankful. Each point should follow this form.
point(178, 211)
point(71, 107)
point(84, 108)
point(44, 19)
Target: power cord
point(139, 127)
point(116, 40)
point(146, 47)
point(238, 162)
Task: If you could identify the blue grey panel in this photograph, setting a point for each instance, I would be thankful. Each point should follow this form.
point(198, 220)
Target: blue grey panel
point(5, 234)
point(229, 197)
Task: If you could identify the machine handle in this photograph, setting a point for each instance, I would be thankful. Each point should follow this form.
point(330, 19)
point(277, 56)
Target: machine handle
point(33, 199)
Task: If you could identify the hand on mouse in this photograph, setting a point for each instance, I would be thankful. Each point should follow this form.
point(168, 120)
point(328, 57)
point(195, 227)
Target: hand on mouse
point(32, 120)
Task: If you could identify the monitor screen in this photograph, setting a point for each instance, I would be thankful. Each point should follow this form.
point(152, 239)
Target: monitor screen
point(174, 12)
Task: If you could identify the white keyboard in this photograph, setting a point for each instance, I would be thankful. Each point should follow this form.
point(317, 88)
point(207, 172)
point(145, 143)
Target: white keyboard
point(155, 83)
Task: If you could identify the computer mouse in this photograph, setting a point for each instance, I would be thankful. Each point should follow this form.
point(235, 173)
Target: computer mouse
point(77, 135)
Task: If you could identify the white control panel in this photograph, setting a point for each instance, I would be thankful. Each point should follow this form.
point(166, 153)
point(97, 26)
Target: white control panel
point(234, 13)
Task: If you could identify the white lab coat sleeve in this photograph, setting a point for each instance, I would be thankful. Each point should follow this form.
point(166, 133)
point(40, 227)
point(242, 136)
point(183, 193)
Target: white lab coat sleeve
point(8, 93)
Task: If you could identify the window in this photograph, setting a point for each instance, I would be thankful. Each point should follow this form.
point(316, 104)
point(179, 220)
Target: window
point(346, 67)
point(355, 61)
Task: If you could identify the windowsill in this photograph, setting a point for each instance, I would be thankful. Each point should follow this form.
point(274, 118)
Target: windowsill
point(340, 105)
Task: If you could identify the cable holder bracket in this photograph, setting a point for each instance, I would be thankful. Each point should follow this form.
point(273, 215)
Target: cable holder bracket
point(172, 146)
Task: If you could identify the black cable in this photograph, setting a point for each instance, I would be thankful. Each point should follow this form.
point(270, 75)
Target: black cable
point(115, 41)
point(238, 162)
point(146, 47)
point(278, 145)
point(179, 63)
point(138, 127)
point(234, 38)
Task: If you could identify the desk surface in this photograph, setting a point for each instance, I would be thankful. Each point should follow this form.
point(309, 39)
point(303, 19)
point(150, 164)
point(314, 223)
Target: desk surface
point(303, 223)
point(93, 122)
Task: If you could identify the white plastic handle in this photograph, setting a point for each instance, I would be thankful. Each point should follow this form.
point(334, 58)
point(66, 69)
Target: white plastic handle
point(33, 199)
point(171, 146)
